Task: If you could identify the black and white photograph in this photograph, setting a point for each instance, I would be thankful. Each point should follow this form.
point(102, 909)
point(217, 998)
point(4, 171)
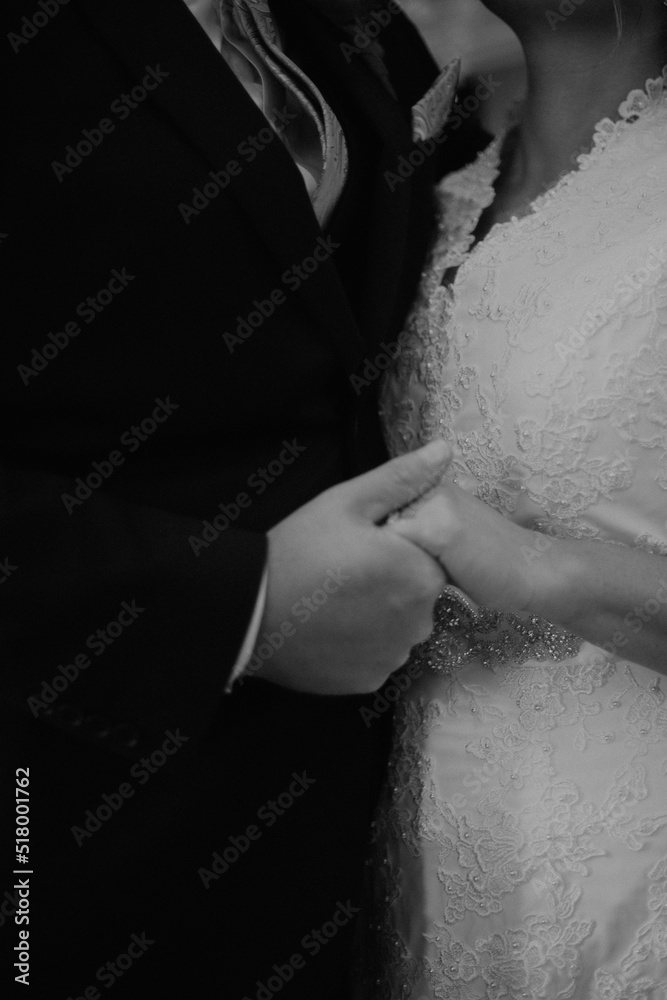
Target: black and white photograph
point(333, 499)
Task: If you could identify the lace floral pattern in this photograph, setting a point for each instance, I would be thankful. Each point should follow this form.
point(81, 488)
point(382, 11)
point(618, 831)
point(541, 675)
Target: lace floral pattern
point(522, 842)
point(553, 420)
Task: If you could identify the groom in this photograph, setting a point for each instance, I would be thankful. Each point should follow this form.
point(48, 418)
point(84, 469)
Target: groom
point(204, 271)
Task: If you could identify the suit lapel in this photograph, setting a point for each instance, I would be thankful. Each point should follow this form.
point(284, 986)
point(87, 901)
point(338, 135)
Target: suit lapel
point(205, 102)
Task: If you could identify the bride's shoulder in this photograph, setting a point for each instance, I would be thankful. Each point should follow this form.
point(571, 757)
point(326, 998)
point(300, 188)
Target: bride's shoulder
point(636, 139)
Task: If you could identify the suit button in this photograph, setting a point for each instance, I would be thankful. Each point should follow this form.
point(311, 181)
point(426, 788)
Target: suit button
point(124, 737)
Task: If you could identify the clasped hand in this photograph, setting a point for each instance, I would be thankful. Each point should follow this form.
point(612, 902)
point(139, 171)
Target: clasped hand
point(492, 559)
point(390, 572)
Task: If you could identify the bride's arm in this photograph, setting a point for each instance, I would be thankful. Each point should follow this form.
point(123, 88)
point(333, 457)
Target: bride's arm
point(611, 595)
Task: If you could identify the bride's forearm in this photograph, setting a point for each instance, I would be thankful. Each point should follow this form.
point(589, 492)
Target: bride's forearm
point(613, 596)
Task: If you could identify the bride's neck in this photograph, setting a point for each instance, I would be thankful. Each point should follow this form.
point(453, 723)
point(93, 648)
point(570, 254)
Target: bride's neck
point(578, 73)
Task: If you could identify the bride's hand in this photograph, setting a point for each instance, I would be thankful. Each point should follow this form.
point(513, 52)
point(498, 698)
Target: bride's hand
point(488, 556)
point(614, 596)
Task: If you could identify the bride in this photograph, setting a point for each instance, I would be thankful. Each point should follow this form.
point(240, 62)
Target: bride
point(522, 842)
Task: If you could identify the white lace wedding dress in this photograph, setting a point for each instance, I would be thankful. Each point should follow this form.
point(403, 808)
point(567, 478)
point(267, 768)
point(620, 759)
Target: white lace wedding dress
point(523, 838)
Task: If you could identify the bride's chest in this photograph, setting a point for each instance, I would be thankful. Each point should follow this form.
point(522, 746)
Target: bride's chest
point(550, 299)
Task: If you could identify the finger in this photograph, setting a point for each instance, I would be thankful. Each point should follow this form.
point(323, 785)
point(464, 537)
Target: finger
point(401, 481)
point(428, 528)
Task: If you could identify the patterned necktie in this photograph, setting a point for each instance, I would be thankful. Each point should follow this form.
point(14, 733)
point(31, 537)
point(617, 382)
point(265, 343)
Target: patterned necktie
point(289, 100)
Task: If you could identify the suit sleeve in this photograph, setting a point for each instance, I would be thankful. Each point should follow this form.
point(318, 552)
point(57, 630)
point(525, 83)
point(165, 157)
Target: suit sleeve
point(118, 291)
point(111, 628)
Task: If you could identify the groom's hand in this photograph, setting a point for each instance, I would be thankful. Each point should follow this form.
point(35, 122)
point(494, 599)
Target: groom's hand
point(348, 595)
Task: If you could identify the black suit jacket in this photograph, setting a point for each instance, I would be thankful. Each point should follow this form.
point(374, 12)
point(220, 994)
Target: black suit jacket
point(129, 421)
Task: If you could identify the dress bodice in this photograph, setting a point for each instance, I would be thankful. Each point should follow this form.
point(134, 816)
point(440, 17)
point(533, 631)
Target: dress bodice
point(544, 361)
point(522, 840)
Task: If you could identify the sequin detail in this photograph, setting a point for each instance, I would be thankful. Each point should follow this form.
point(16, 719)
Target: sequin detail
point(463, 633)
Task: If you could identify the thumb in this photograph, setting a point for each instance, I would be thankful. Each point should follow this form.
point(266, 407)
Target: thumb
point(400, 482)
